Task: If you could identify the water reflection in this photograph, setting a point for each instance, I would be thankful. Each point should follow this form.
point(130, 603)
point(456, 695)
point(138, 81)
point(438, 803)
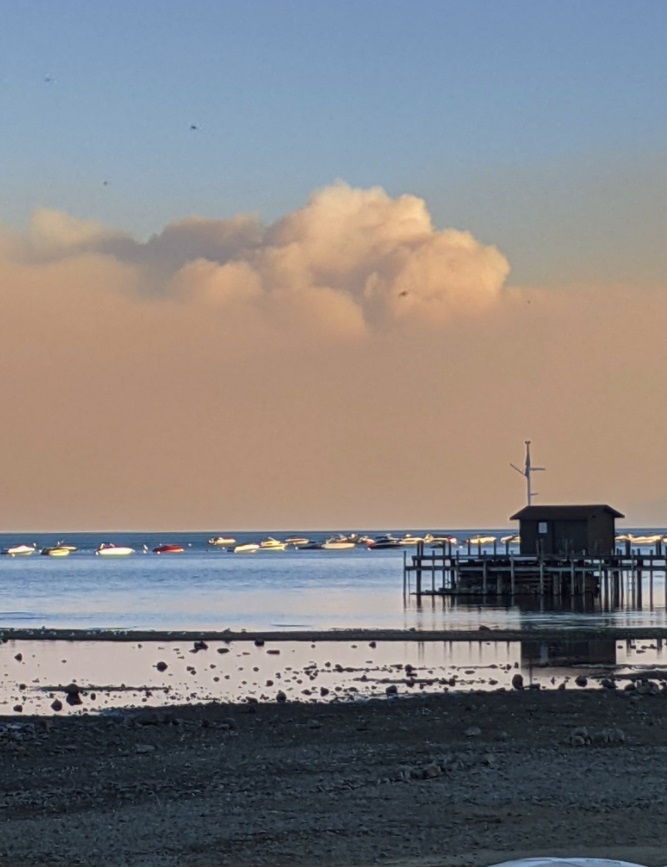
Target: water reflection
point(640, 605)
point(120, 675)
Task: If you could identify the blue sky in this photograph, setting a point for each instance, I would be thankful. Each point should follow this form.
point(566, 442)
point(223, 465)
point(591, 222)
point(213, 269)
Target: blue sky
point(509, 118)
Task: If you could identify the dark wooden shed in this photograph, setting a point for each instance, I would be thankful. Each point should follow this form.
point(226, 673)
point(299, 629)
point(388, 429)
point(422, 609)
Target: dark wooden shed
point(567, 530)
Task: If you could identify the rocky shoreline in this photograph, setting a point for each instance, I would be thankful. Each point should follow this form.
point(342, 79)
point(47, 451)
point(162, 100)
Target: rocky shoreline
point(455, 780)
point(482, 633)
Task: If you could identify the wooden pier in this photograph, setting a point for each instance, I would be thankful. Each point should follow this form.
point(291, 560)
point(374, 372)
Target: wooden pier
point(625, 576)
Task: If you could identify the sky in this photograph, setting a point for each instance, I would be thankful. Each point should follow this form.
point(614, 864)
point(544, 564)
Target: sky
point(309, 264)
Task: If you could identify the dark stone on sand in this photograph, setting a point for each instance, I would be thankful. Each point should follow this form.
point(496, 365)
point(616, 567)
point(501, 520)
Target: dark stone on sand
point(72, 693)
point(19, 657)
point(18, 708)
point(392, 689)
point(259, 642)
point(199, 645)
point(223, 650)
point(280, 696)
point(56, 705)
point(161, 666)
point(580, 680)
point(517, 681)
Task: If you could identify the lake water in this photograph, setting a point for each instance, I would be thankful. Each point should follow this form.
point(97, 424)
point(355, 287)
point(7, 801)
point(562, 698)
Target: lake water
point(208, 588)
point(205, 588)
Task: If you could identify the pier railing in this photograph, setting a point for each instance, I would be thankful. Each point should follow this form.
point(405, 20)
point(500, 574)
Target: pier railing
point(445, 572)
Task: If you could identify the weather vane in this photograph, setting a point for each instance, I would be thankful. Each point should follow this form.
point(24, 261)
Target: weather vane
point(526, 471)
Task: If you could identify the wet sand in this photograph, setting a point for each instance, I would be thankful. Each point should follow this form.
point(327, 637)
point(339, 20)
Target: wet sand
point(452, 780)
point(259, 749)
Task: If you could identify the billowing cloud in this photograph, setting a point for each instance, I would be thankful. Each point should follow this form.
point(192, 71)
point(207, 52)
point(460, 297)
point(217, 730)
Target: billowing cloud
point(348, 365)
point(350, 259)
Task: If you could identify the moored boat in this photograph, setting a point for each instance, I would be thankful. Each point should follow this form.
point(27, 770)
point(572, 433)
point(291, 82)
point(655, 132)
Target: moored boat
point(108, 549)
point(297, 541)
point(386, 541)
point(246, 548)
point(443, 541)
point(269, 543)
point(480, 540)
point(337, 543)
point(168, 549)
point(57, 551)
point(408, 539)
point(20, 550)
point(222, 541)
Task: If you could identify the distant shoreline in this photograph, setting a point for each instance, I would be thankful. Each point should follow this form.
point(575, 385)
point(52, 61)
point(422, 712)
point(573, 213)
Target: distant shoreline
point(337, 635)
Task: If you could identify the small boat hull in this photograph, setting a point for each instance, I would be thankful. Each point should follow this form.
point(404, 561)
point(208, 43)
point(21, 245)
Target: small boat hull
point(20, 550)
point(114, 551)
point(168, 549)
point(248, 548)
point(57, 551)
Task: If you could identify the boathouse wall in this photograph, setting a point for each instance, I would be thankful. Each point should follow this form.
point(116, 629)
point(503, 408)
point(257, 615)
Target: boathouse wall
point(567, 530)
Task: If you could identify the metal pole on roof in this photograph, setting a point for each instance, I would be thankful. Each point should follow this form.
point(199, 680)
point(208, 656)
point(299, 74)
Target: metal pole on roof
point(526, 471)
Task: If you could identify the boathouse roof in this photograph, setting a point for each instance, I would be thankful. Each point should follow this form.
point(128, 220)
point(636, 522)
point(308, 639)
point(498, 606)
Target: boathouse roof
point(556, 513)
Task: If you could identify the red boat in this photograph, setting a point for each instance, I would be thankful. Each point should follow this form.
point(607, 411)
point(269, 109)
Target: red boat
point(168, 549)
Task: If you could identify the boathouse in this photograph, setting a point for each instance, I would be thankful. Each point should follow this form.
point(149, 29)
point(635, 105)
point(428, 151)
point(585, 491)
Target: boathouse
point(564, 531)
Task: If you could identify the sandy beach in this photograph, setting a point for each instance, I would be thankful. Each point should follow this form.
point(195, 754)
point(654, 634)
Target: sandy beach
point(450, 778)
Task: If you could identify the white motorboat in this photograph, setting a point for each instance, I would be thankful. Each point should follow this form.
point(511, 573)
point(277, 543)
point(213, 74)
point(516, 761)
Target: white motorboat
point(222, 541)
point(20, 550)
point(442, 541)
point(247, 548)
point(111, 550)
point(270, 543)
point(337, 543)
point(480, 540)
point(297, 541)
point(646, 540)
point(407, 539)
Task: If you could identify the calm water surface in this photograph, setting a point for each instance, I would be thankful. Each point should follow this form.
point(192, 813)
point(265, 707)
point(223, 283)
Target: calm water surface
point(206, 588)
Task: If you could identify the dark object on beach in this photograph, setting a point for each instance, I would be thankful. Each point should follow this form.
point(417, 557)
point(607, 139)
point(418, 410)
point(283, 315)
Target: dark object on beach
point(259, 642)
point(73, 694)
point(199, 645)
point(161, 666)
